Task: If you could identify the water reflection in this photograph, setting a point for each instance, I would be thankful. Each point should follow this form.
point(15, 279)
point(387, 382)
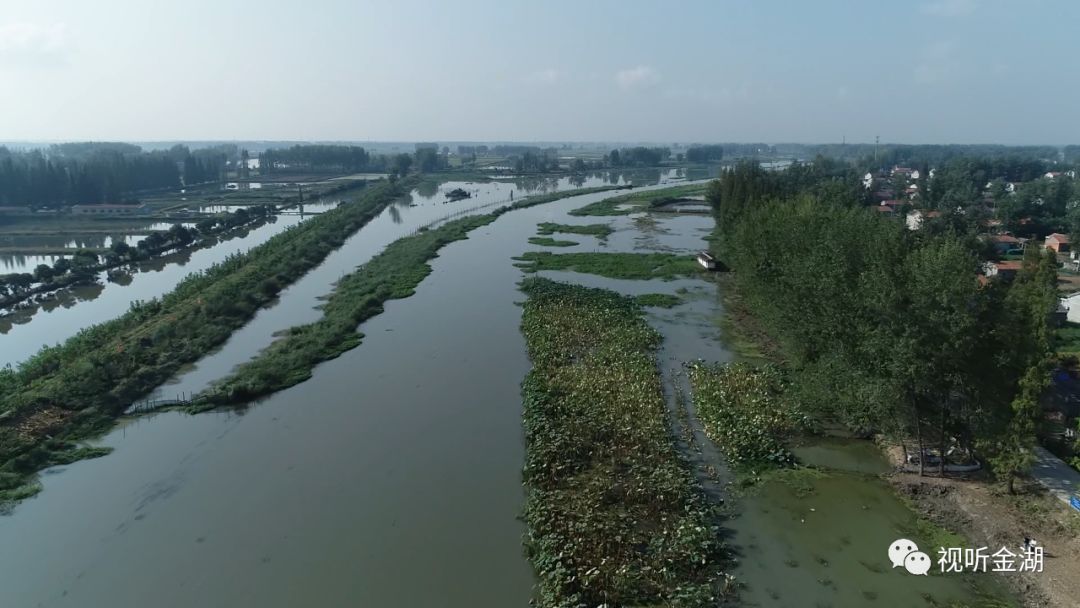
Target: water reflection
point(427, 188)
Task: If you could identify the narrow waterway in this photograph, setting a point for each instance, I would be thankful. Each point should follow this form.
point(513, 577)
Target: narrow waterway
point(424, 206)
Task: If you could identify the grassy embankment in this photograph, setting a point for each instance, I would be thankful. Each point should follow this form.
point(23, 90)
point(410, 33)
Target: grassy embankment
point(76, 389)
point(614, 517)
point(393, 274)
point(636, 202)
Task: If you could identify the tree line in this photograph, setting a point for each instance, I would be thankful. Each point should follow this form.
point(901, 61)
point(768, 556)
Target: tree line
point(315, 158)
point(92, 173)
point(889, 330)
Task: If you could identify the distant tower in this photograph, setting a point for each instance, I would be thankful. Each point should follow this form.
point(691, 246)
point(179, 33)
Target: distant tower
point(877, 140)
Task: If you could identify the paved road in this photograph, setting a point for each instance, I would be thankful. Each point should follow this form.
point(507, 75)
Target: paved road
point(1058, 477)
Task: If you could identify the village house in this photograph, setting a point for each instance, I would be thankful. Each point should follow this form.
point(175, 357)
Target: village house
point(915, 218)
point(1058, 242)
point(1071, 303)
point(108, 210)
point(1005, 242)
point(1004, 271)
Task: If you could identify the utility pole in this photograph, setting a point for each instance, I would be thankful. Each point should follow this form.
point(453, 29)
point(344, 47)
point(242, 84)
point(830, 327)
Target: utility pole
point(877, 140)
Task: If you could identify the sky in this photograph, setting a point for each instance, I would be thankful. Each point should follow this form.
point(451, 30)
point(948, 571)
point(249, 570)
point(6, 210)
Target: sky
point(920, 71)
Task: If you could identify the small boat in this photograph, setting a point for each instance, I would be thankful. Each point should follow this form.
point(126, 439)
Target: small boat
point(457, 194)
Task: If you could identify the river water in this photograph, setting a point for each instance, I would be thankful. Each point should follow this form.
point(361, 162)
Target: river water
point(60, 319)
point(392, 477)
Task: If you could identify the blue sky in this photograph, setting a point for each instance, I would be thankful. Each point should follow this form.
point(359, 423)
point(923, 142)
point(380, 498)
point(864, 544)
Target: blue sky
point(933, 71)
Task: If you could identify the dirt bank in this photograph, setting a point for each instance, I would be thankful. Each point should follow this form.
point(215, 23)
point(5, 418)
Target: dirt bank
point(989, 517)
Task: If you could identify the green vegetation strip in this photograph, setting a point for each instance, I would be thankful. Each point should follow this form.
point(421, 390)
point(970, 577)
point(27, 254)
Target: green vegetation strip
point(636, 202)
point(547, 241)
point(659, 300)
point(77, 389)
point(69, 391)
point(393, 274)
point(742, 410)
point(612, 265)
point(613, 516)
point(598, 230)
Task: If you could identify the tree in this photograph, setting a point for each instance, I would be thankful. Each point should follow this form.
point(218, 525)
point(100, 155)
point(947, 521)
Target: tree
point(400, 164)
point(1028, 302)
point(427, 160)
point(43, 273)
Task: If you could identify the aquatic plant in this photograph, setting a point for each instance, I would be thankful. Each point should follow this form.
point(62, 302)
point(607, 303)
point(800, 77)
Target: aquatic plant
point(659, 300)
point(547, 241)
point(614, 518)
point(743, 411)
point(601, 231)
point(636, 202)
point(612, 265)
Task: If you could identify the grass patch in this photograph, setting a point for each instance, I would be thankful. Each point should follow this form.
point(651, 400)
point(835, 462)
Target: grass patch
point(613, 516)
point(601, 231)
point(659, 300)
point(636, 202)
point(1067, 339)
point(613, 265)
point(547, 241)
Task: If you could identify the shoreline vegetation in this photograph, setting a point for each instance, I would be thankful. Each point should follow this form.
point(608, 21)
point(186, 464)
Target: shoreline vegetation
point(76, 390)
point(614, 516)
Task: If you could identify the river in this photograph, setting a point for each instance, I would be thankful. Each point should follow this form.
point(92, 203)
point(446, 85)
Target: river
point(26, 331)
point(392, 476)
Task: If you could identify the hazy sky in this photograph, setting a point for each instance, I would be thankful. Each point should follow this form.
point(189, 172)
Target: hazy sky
point(934, 71)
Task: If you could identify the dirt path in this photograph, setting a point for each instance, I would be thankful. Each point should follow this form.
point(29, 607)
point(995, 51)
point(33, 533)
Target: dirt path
point(989, 517)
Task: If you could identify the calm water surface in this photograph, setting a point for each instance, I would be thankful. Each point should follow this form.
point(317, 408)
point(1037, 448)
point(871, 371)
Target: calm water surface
point(391, 478)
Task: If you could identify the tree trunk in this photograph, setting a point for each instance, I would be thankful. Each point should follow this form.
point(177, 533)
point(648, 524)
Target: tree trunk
point(919, 439)
point(941, 441)
point(1012, 483)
